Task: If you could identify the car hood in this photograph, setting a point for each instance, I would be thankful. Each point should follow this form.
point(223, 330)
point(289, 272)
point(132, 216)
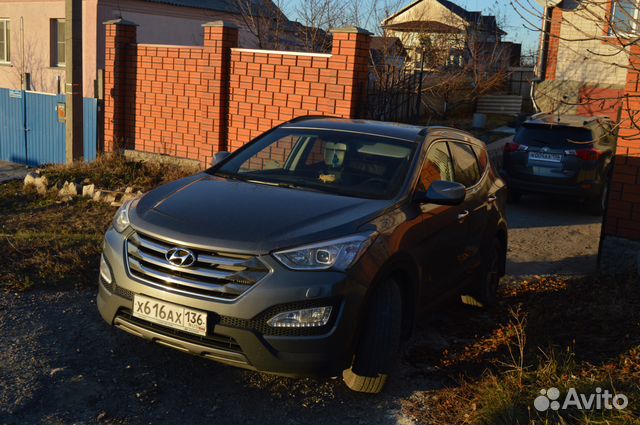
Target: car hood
point(237, 216)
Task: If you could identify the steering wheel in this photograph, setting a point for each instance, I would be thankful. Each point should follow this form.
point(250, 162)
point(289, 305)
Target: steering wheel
point(378, 182)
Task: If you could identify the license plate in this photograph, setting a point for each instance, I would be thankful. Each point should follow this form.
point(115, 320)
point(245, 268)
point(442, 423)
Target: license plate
point(544, 156)
point(170, 315)
point(545, 172)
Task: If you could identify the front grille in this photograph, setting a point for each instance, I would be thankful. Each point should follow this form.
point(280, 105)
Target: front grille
point(214, 274)
point(212, 340)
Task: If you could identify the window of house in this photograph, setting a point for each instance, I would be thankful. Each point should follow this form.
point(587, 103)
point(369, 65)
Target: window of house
point(624, 17)
point(5, 41)
point(58, 53)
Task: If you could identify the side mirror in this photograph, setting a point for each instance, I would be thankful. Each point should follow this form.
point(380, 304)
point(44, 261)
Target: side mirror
point(445, 193)
point(219, 156)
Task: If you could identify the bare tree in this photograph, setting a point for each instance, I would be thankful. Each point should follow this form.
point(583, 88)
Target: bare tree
point(26, 59)
point(450, 63)
point(266, 20)
point(596, 35)
point(317, 17)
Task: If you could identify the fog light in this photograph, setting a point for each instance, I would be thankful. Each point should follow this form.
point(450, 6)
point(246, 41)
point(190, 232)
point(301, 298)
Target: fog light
point(305, 318)
point(105, 271)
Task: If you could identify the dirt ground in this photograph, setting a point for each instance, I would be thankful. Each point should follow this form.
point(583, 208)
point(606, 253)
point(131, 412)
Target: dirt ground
point(61, 364)
point(550, 235)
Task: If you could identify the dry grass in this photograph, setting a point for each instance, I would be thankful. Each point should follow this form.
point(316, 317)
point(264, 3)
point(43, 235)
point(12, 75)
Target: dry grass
point(49, 243)
point(580, 333)
point(115, 172)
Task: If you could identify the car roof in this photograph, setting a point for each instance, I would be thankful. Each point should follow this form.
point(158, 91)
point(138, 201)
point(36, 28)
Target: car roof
point(563, 120)
point(407, 132)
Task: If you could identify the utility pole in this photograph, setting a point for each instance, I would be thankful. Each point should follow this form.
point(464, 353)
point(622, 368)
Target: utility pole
point(73, 86)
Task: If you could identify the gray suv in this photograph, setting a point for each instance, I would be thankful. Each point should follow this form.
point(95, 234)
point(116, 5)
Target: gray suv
point(566, 155)
point(310, 251)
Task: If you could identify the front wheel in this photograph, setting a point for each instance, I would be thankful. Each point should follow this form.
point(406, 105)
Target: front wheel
point(379, 342)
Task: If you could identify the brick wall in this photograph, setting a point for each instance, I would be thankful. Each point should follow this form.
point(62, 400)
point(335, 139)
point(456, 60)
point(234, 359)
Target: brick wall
point(554, 43)
point(193, 101)
point(622, 218)
point(600, 101)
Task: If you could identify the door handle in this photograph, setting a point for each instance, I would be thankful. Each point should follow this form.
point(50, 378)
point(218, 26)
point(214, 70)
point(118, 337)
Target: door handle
point(491, 198)
point(463, 215)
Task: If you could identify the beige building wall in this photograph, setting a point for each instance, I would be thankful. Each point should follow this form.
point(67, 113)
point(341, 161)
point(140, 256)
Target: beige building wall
point(158, 24)
point(583, 54)
point(427, 10)
point(31, 43)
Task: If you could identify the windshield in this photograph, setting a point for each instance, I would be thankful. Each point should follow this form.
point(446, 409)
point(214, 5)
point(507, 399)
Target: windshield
point(554, 136)
point(338, 162)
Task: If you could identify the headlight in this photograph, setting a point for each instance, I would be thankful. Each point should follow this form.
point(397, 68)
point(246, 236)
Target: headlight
point(305, 318)
point(338, 254)
point(121, 219)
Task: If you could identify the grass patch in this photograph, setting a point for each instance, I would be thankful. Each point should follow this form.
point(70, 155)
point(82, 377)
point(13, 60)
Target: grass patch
point(581, 333)
point(115, 172)
point(47, 243)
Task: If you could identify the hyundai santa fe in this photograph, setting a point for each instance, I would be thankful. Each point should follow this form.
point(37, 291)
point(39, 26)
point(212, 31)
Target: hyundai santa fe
point(310, 251)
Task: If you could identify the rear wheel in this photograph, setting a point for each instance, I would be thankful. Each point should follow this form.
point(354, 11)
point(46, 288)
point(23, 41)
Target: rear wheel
point(485, 291)
point(379, 342)
point(514, 196)
point(598, 204)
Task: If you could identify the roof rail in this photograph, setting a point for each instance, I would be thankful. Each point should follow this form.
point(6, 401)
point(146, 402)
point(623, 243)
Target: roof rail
point(307, 117)
point(538, 115)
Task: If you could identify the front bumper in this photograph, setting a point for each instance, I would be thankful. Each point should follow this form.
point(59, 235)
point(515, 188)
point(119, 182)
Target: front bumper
point(238, 334)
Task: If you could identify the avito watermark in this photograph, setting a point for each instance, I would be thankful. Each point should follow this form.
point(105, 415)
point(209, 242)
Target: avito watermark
point(601, 399)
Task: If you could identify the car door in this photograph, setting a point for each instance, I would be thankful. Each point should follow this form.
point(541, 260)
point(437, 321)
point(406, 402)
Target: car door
point(441, 232)
point(474, 208)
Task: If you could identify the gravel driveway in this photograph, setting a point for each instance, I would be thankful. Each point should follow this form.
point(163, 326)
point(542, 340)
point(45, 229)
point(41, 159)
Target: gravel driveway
point(551, 236)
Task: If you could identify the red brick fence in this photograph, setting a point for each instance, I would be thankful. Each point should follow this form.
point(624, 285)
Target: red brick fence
point(193, 101)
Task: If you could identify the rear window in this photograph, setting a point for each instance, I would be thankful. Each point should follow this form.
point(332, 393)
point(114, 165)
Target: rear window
point(554, 136)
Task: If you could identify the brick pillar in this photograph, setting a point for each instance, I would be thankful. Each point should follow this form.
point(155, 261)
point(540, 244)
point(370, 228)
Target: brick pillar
point(554, 43)
point(119, 83)
point(350, 56)
point(620, 247)
point(219, 38)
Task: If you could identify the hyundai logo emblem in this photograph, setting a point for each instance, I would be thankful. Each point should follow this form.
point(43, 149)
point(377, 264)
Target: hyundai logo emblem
point(180, 257)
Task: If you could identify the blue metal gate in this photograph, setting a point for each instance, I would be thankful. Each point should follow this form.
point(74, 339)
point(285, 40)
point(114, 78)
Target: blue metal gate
point(31, 132)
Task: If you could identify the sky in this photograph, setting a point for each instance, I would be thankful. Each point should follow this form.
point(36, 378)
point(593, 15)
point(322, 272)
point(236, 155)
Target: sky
point(516, 27)
point(511, 21)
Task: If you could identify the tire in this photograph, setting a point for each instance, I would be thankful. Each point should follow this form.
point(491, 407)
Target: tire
point(597, 205)
point(514, 196)
point(379, 342)
point(485, 291)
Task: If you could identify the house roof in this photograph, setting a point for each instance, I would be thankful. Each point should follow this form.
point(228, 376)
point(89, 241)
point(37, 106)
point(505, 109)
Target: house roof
point(229, 6)
point(422, 26)
point(217, 5)
point(386, 43)
point(484, 23)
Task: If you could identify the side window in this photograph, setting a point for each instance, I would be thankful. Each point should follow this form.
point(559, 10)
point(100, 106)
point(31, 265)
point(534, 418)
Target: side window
point(466, 169)
point(437, 166)
point(483, 158)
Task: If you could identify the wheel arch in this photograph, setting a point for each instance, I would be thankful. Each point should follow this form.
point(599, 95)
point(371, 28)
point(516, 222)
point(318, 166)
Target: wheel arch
point(404, 271)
